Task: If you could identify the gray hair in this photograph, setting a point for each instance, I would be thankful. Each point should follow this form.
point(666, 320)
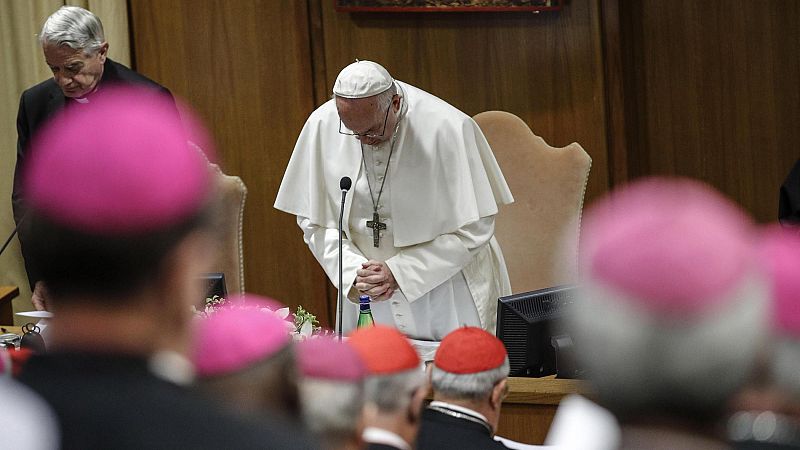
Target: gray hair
point(74, 27)
point(332, 409)
point(266, 385)
point(392, 393)
point(642, 363)
point(471, 386)
point(785, 366)
point(383, 99)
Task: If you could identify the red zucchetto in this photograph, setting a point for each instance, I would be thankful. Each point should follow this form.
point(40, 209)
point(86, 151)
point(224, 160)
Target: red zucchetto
point(469, 350)
point(384, 350)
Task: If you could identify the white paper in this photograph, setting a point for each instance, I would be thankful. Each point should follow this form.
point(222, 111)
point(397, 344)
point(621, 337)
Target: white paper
point(425, 349)
point(36, 314)
point(519, 445)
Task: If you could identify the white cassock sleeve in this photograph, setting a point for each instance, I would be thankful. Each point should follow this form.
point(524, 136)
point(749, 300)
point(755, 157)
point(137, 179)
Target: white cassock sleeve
point(324, 244)
point(420, 268)
point(417, 268)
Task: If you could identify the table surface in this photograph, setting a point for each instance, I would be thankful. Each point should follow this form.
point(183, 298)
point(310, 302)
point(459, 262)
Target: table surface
point(11, 329)
point(8, 292)
point(542, 391)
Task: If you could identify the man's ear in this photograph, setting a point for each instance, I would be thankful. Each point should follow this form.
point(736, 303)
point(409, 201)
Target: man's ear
point(103, 52)
point(358, 441)
point(417, 400)
point(499, 392)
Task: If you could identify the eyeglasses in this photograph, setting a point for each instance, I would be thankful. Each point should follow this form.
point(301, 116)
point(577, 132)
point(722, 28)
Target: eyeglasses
point(347, 132)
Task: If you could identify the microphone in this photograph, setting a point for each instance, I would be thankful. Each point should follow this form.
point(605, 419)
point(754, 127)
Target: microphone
point(344, 184)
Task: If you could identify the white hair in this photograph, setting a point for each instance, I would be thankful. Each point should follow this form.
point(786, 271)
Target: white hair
point(471, 386)
point(392, 393)
point(641, 362)
point(380, 101)
point(332, 409)
point(384, 99)
point(74, 27)
point(785, 366)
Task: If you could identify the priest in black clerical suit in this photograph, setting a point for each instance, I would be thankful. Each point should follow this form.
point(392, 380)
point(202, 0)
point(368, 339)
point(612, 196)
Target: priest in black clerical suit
point(469, 380)
point(789, 199)
point(75, 49)
point(121, 246)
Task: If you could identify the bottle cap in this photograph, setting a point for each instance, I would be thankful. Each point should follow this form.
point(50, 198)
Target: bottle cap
point(363, 299)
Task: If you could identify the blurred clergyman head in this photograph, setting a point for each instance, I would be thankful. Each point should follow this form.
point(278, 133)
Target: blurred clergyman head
point(671, 312)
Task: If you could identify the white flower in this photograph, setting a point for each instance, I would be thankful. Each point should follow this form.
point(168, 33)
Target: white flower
point(306, 329)
point(283, 313)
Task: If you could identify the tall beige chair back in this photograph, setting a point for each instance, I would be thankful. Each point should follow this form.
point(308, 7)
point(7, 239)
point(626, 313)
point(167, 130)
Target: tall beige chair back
point(542, 225)
point(232, 192)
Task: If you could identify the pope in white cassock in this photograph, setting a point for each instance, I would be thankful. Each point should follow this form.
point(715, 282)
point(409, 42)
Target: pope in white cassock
point(419, 222)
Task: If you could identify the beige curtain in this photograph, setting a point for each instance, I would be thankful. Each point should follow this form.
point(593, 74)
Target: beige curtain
point(22, 66)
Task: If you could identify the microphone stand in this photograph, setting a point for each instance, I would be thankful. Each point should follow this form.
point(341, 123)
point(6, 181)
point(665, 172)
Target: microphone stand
point(340, 298)
point(13, 233)
point(344, 185)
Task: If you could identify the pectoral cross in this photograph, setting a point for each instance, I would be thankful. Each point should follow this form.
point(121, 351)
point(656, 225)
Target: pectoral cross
point(376, 226)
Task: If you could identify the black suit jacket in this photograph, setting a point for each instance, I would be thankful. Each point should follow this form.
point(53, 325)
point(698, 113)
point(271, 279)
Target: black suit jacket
point(115, 402)
point(789, 198)
point(373, 446)
point(440, 431)
point(36, 106)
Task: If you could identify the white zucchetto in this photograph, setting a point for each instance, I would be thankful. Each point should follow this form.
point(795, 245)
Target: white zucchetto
point(362, 79)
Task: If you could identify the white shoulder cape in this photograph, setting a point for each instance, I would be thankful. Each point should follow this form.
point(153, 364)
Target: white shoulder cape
point(443, 172)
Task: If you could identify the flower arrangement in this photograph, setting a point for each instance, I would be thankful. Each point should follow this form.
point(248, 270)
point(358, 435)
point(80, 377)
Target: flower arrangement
point(303, 325)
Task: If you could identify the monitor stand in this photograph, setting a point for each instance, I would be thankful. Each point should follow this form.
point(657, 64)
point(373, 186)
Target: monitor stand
point(565, 357)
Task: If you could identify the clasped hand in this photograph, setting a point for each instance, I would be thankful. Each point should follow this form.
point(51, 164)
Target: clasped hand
point(375, 279)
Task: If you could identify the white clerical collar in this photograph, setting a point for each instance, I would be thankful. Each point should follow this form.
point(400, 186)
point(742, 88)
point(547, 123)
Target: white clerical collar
point(372, 435)
point(460, 409)
point(171, 366)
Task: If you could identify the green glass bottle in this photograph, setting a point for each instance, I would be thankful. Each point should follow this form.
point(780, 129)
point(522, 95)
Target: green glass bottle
point(365, 313)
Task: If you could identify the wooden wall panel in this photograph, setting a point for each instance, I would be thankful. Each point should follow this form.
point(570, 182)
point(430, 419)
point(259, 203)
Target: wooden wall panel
point(246, 67)
point(546, 68)
point(256, 69)
point(713, 93)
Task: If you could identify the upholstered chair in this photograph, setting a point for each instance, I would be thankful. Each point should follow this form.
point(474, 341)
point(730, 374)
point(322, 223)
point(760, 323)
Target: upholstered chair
point(233, 193)
point(542, 225)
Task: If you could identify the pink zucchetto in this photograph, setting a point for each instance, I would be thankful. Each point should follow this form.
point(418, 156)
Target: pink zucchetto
point(236, 337)
point(674, 246)
point(780, 256)
point(119, 165)
point(327, 359)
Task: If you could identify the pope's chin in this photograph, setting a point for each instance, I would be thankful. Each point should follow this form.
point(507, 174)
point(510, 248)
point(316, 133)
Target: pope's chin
point(371, 141)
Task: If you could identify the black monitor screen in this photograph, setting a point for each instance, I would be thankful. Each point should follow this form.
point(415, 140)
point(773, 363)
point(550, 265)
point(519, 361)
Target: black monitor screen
point(214, 284)
point(528, 325)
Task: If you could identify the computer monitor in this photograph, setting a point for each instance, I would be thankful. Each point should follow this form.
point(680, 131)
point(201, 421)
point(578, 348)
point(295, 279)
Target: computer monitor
point(529, 326)
point(214, 284)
